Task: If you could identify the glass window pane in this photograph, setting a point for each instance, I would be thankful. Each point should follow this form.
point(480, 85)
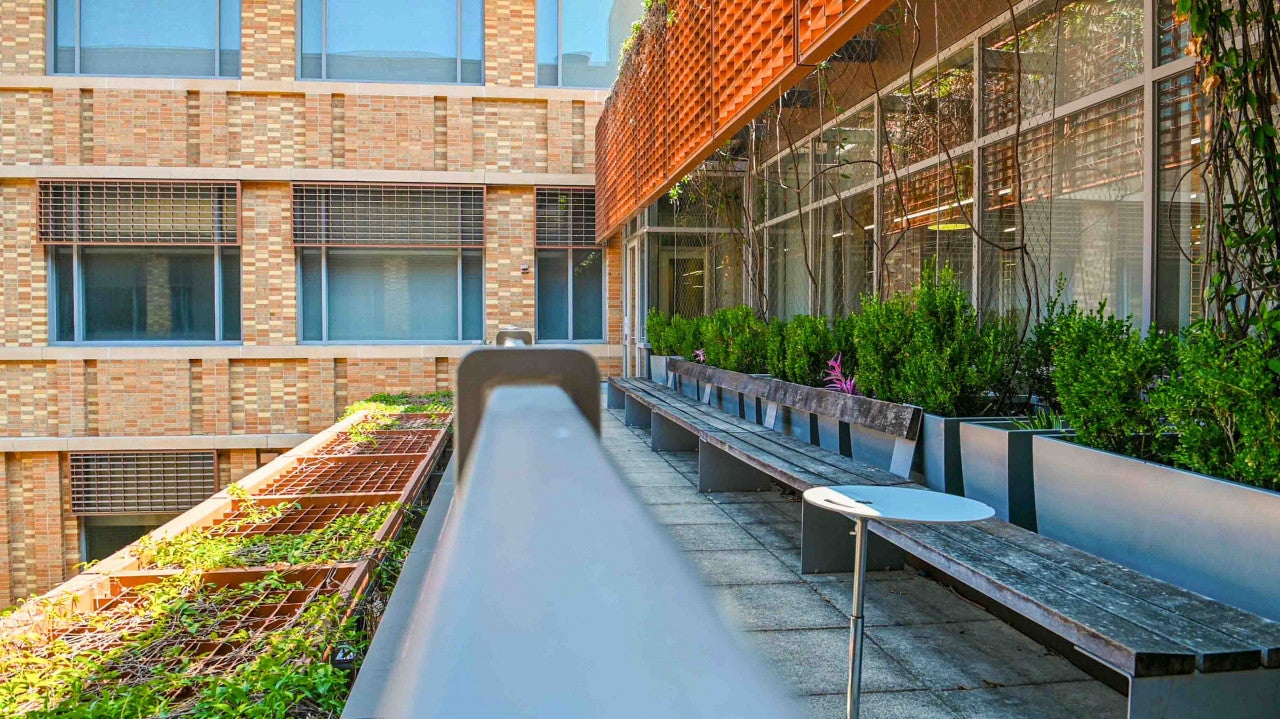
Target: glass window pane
point(385, 40)
point(472, 41)
point(847, 237)
point(927, 223)
point(230, 293)
point(64, 36)
point(845, 154)
point(588, 295)
point(311, 36)
point(548, 42)
point(312, 297)
point(1017, 213)
point(64, 292)
point(553, 295)
point(933, 114)
point(1182, 212)
point(230, 40)
point(472, 295)
point(1174, 35)
point(148, 37)
point(788, 273)
point(591, 38)
point(393, 296)
point(148, 294)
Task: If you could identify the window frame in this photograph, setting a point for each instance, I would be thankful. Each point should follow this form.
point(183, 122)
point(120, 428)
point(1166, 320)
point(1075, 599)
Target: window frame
point(324, 50)
point(78, 298)
point(51, 46)
point(568, 251)
point(324, 250)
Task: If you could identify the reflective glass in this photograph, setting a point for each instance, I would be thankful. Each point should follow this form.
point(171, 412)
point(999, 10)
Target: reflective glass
point(548, 42)
point(393, 296)
point(583, 52)
point(846, 234)
point(1182, 212)
point(312, 290)
point(588, 294)
point(230, 293)
point(472, 295)
point(152, 37)
point(148, 294)
point(553, 295)
point(788, 268)
point(392, 40)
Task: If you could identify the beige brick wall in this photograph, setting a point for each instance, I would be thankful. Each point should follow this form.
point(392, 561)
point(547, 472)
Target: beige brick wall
point(267, 123)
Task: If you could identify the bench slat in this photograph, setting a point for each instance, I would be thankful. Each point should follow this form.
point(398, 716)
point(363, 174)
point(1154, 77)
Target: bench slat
point(1130, 648)
point(673, 402)
point(1249, 628)
point(1215, 651)
point(831, 465)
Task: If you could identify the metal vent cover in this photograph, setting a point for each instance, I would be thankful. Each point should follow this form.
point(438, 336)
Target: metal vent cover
point(566, 217)
point(388, 215)
point(141, 482)
point(110, 212)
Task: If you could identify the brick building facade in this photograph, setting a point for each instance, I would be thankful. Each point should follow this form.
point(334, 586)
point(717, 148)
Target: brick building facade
point(263, 133)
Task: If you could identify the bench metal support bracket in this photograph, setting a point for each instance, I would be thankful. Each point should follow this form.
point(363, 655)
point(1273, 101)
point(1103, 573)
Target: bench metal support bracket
point(667, 436)
point(615, 398)
point(718, 471)
point(635, 414)
point(826, 545)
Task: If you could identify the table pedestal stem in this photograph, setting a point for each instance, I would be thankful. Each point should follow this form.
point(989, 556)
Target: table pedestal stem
point(855, 621)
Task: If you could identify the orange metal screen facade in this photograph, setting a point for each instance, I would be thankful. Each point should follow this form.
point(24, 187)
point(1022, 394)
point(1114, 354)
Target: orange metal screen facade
point(687, 90)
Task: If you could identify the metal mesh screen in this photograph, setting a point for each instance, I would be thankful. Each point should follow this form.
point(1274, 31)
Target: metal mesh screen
point(388, 215)
point(139, 212)
point(566, 218)
point(141, 482)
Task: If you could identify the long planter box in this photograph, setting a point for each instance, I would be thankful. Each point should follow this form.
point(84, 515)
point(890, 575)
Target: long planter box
point(1212, 536)
point(938, 453)
point(658, 368)
point(997, 469)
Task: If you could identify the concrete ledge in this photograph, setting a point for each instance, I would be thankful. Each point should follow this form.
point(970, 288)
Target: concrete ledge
point(187, 442)
point(292, 174)
point(233, 352)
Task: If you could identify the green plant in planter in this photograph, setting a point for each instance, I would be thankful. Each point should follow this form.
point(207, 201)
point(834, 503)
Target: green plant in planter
point(734, 339)
point(1035, 373)
point(1104, 371)
point(685, 335)
point(1223, 403)
point(775, 348)
point(880, 335)
point(657, 328)
point(809, 347)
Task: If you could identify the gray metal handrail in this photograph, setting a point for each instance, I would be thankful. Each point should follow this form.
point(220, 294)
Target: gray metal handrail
point(539, 586)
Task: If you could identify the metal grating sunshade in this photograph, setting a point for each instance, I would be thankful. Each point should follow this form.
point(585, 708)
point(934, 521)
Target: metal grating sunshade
point(388, 215)
point(141, 482)
point(102, 212)
point(566, 217)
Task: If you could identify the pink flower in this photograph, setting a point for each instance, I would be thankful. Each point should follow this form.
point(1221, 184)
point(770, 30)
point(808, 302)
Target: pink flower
point(835, 376)
point(700, 356)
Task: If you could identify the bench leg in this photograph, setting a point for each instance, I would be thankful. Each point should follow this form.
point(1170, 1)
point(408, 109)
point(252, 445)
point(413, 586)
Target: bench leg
point(667, 436)
point(720, 472)
point(827, 545)
point(1251, 694)
point(615, 398)
point(634, 414)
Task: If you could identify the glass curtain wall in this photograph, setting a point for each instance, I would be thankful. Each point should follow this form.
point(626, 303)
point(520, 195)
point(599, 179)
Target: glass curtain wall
point(1050, 146)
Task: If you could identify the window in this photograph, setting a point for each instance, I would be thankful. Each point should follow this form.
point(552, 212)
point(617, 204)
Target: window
point(194, 38)
point(103, 536)
point(570, 271)
point(570, 295)
point(579, 40)
point(392, 40)
point(390, 263)
point(140, 482)
point(142, 262)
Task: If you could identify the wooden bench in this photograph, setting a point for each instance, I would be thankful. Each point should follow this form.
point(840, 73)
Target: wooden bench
point(1177, 654)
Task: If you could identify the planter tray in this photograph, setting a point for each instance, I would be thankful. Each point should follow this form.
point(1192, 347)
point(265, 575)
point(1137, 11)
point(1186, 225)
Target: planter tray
point(1139, 626)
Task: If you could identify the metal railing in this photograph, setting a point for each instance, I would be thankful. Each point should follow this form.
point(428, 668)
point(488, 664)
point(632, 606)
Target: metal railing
point(539, 585)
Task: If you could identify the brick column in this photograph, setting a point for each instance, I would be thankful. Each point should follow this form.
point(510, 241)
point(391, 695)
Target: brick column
point(510, 43)
point(268, 32)
point(269, 302)
point(22, 33)
point(509, 244)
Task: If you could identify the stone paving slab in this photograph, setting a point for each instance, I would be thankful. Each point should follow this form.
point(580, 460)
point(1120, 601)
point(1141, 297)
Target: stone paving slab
point(930, 653)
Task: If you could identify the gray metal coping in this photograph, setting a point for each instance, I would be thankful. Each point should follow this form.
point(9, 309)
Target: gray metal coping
point(1139, 625)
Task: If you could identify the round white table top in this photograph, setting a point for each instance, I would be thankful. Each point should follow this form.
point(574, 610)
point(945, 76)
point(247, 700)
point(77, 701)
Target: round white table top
point(898, 504)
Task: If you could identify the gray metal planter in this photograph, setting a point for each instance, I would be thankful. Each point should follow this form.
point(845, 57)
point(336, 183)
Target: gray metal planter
point(938, 454)
point(996, 460)
point(1212, 536)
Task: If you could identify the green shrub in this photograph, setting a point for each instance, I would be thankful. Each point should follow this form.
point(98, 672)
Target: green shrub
point(1036, 354)
point(1223, 402)
point(809, 345)
point(685, 335)
point(1103, 372)
point(734, 339)
point(843, 343)
point(657, 329)
point(775, 350)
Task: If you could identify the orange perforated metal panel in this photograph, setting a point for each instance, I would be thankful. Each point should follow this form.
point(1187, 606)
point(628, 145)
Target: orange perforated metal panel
point(695, 79)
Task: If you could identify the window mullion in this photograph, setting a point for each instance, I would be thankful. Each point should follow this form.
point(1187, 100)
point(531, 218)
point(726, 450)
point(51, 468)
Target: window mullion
point(324, 49)
point(217, 39)
point(76, 62)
